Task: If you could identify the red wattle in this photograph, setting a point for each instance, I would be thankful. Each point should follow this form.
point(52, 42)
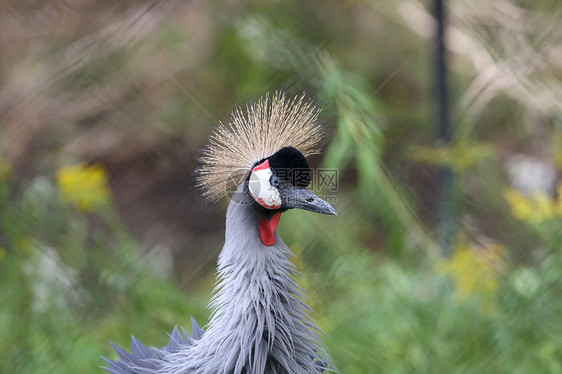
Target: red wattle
point(267, 229)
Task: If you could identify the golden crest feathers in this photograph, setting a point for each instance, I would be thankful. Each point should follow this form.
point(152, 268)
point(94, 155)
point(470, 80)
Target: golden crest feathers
point(265, 127)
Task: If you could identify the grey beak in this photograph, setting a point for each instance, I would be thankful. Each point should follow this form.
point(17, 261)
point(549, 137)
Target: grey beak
point(303, 198)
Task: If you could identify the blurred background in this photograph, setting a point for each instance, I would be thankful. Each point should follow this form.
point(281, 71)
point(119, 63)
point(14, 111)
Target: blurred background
point(446, 256)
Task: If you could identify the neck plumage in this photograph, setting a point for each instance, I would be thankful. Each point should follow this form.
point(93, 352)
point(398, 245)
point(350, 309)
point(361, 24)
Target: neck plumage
point(260, 323)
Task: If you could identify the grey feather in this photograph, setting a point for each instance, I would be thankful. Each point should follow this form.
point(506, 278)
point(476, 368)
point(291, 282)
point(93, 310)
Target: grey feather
point(260, 323)
point(197, 330)
point(145, 360)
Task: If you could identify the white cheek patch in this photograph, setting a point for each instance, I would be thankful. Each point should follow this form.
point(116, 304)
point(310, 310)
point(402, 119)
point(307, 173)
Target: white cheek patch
point(261, 189)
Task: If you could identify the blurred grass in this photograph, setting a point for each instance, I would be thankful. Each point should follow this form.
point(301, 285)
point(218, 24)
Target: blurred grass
point(102, 234)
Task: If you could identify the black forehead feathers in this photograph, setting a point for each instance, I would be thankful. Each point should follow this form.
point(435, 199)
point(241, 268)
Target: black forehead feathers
point(288, 158)
point(290, 165)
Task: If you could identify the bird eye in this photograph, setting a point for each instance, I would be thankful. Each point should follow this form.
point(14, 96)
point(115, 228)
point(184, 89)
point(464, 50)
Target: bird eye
point(274, 180)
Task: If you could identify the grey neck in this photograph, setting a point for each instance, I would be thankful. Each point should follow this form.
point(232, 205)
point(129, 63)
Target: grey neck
point(260, 323)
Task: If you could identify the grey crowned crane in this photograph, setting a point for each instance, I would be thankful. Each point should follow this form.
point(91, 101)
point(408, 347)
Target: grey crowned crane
point(260, 323)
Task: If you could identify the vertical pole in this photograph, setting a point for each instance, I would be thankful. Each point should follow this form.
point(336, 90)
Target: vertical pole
point(445, 132)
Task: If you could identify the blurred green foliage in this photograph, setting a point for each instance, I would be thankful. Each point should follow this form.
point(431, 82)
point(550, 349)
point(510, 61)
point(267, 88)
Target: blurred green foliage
point(71, 281)
point(103, 90)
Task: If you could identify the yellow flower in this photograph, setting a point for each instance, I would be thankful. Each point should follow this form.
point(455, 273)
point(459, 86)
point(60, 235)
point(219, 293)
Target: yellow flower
point(520, 205)
point(475, 269)
point(544, 207)
point(535, 209)
point(84, 186)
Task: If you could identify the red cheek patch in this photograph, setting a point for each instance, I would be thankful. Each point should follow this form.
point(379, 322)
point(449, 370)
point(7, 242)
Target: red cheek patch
point(267, 229)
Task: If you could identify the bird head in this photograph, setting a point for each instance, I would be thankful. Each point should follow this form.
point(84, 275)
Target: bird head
point(280, 182)
point(262, 152)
